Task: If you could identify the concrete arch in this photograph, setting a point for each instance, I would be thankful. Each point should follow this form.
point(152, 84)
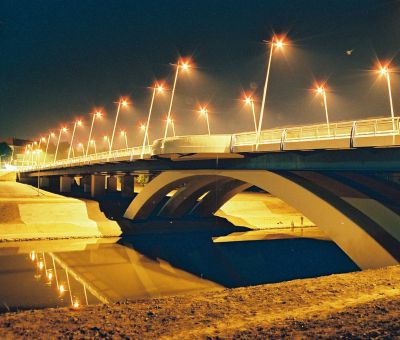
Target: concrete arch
point(218, 196)
point(186, 197)
point(358, 233)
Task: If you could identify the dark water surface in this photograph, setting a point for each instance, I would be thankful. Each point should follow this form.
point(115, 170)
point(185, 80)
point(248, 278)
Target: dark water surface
point(40, 274)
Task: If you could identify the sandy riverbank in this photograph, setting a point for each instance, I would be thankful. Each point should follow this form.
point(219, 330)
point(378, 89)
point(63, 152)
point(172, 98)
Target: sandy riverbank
point(363, 304)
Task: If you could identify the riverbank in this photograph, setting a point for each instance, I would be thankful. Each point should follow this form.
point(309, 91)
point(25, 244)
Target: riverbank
point(27, 213)
point(362, 304)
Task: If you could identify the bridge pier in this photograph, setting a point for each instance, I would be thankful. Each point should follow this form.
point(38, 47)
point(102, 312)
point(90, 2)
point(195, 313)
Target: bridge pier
point(54, 183)
point(86, 183)
point(128, 186)
point(97, 185)
point(44, 182)
point(66, 183)
point(112, 184)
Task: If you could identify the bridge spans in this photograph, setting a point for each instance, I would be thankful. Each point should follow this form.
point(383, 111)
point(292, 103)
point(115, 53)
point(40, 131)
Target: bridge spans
point(338, 180)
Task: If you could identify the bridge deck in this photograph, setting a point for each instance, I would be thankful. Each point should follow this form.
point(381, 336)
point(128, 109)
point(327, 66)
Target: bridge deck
point(371, 133)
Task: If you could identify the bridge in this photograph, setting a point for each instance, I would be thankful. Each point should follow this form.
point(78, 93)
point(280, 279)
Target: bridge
point(343, 177)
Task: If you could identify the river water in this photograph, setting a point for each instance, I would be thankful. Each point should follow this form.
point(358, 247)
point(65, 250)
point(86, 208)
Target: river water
point(56, 273)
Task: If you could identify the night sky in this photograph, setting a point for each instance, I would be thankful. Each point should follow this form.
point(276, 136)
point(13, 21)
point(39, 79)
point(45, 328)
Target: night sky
point(59, 59)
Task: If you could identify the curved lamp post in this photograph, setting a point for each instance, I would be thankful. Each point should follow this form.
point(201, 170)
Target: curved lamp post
point(121, 103)
point(96, 115)
point(321, 90)
point(63, 129)
point(276, 44)
point(158, 88)
point(184, 65)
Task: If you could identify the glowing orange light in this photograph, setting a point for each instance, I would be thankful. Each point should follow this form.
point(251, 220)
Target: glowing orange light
point(185, 65)
point(248, 100)
point(320, 90)
point(75, 304)
point(203, 111)
point(43, 139)
point(41, 265)
point(79, 123)
point(98, 114)
point(105, 137)
point(279, 43)
point(52, 134)
point(64, 129)
point(50, 276)
point(61, 288)
point(142, 127)
point(92, 141)
point(123, 133)
point(384, 70)
point(32, 255)
point(160, 88)
point(124, 103)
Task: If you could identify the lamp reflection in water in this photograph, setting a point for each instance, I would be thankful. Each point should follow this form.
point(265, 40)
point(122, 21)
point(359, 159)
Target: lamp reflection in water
point(63, 279)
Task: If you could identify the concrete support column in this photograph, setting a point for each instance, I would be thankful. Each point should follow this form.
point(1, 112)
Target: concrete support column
point(54, 183)
point(86, 182)
point(128, 186)
point(44, 182)
point(97, 185)
point(66, 183)
point(112, 184)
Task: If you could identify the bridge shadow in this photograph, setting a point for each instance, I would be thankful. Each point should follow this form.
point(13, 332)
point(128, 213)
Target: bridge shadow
point(188, 245)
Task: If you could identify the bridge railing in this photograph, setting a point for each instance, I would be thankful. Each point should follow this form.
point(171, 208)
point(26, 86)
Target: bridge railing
point(339, 130)
point(100, 157)
point(340, 134)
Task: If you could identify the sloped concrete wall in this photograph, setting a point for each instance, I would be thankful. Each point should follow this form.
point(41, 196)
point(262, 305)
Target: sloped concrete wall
point(29, 213)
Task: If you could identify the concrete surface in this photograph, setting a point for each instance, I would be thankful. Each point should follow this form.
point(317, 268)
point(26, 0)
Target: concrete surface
point(29, 213)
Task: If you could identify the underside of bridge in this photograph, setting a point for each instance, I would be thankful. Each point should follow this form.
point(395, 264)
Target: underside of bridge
point(359, 212)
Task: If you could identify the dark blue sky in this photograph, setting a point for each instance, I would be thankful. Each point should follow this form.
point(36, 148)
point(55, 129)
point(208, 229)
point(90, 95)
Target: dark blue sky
point(58, 59)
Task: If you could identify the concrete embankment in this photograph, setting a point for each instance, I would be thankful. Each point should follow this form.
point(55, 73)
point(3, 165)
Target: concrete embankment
point(29, 213)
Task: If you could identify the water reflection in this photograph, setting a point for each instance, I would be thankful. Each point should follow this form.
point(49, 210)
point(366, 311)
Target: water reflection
point(80, 272)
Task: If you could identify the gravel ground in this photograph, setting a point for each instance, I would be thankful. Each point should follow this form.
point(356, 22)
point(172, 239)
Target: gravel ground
point(362, 305)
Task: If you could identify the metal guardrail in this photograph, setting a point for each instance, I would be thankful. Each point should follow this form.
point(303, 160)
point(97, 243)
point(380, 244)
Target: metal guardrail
point(349, 130)
point(101, 157)
point(340, 130)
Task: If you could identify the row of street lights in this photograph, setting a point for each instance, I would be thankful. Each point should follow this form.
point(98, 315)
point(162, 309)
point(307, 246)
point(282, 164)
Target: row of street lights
point(277, 43)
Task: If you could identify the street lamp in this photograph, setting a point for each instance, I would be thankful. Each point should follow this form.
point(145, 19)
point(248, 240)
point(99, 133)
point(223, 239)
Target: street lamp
point(51, 134)
point(143, 128)
point(63, 129)
point(26, 152)
point(158, 88)
point(248, 100)
point(276, 43)
point(108, 141)
point(204, 112)
point(171, 121)
point(321, 90)
point(93, 142)
point(385, 72)
point(41, 139)
point(98, 114)
point(77, 123)
point(121, 103)
point(184, 65)
point(123, 134)
point(80, 146)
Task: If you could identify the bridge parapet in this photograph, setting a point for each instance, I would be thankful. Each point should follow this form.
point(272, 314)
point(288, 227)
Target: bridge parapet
point(214, 144)
point(341, 135)
point(379, 132)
